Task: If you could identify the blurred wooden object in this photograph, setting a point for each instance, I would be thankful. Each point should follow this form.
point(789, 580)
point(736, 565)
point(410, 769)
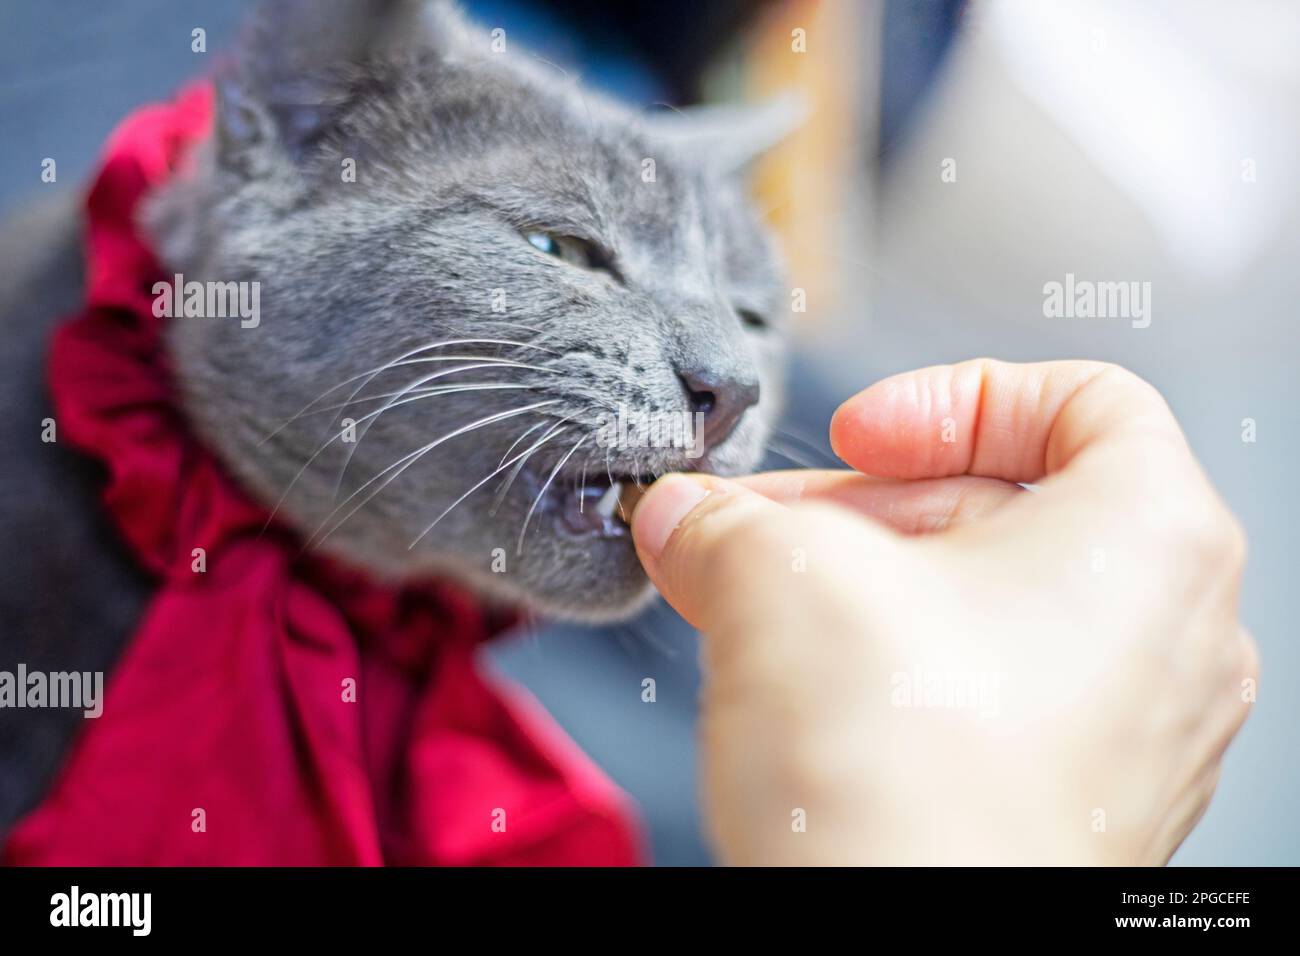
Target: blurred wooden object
point(816, 187)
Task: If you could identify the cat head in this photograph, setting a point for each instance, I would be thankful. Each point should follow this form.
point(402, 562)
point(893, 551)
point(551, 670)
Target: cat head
point(486, 296)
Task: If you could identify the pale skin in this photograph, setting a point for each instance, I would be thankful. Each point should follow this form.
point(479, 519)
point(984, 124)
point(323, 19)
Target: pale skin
point(1092, 624)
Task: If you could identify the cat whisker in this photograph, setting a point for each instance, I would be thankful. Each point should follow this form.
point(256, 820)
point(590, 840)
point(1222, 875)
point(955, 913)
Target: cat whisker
point(425, 393)
point(479, 484)
point(429, 390)
point(610, 474)
point(515, 444)
point(533, 633)
point(423, 359)
point(406, 461)
point(387, 365)
point(797, 459)
point(816, 448)
point(518, 325)
point(519, 548)
point(338, 483)
point(473, 358)
point(645, 635)
point(510, 479)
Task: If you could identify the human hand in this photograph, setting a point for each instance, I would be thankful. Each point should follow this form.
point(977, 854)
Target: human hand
point(934, 665)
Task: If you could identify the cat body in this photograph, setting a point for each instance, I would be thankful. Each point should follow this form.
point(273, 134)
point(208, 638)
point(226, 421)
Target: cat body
point(467, 266)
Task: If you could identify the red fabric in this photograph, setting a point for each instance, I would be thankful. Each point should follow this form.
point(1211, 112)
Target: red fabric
point(229, 697)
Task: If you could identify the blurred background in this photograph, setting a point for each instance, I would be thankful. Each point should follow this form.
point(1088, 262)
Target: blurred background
point(959, 156)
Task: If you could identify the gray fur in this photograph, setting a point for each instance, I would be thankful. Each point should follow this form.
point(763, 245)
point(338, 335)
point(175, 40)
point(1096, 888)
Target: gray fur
point(458, 151)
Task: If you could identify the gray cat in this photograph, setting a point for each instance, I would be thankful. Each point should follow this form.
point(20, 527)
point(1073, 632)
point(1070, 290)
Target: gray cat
point(445, 336)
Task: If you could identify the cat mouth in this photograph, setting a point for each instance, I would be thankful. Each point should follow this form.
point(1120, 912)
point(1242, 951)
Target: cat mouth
point(601, 506)
point(594, 503)
point(587, 506)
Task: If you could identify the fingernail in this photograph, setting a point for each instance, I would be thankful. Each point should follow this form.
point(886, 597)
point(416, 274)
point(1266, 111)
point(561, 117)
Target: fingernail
point(669, 500)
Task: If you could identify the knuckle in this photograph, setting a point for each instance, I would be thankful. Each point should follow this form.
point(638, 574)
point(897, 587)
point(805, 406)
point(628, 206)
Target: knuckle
point(1248, 662)
point(1235, 545)
point(1216, 537)
point(1203, 531)
point(1119, 373)
point(1111, 374)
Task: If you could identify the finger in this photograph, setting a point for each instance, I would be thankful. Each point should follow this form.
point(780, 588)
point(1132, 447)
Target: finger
point(910, 507)
point(995, 419)
point(697, 538)
point(721, 554)
point(1182, 818)
point(1234, 696)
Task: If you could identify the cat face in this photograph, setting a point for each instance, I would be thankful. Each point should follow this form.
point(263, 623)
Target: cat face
point(487, 298)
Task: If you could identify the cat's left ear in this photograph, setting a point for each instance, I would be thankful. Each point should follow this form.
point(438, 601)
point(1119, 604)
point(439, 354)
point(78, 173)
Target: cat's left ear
point(299, 61)
point(729, 137)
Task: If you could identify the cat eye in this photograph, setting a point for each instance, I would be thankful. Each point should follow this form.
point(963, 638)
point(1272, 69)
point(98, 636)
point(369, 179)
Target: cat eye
point(570, 249)
point(752, 320)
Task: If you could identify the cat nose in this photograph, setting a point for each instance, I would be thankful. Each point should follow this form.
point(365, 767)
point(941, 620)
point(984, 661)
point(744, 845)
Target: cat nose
point(721, 398)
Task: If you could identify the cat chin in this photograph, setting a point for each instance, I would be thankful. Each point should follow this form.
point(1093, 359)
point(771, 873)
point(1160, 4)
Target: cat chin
point(622, 592)
point(596, 580)
point(633, 602)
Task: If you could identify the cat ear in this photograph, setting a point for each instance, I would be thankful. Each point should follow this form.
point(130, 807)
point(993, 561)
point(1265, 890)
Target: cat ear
point(729, 137)
point(298, 58)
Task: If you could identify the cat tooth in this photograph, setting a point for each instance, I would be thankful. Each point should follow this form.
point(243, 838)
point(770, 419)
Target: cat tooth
point(609, 500)
point(628, 500)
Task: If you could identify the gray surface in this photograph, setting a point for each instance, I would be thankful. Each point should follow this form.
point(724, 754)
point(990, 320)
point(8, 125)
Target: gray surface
point(69, 71)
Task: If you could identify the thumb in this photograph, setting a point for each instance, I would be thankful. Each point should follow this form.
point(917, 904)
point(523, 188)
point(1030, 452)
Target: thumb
point(723, 555)
point(697, 536)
